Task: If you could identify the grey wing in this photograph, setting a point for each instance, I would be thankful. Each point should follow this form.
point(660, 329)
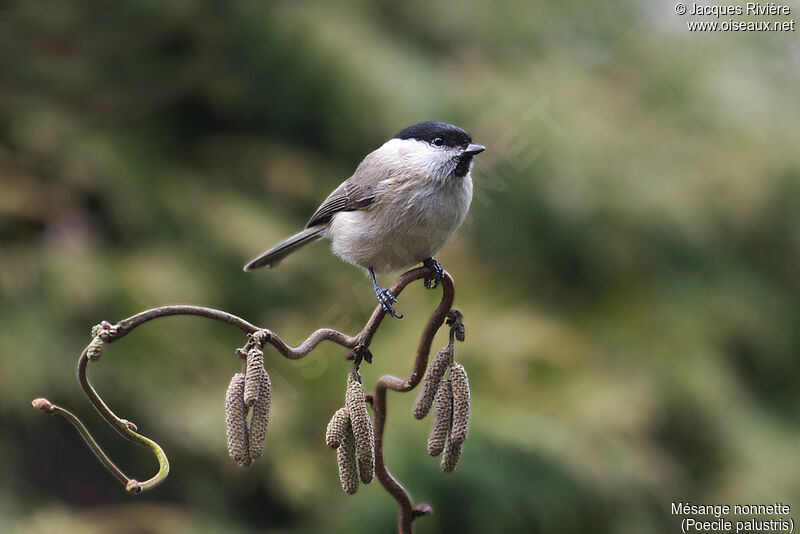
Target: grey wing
point(349, 196)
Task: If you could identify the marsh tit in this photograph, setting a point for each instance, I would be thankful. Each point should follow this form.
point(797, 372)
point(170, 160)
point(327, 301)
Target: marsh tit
point(399, 208)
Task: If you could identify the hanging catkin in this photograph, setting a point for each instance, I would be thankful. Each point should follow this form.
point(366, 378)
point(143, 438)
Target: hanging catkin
point(253, 375)
point(451, 456)
point(260, 419)
point(434, 376)
point(442, 418)
point(460, 385)
point(362, 428)
point(236, 421)
point(346, 457)
point(338, 425)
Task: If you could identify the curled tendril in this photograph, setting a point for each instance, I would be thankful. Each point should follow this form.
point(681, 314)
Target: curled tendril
point(106, 333)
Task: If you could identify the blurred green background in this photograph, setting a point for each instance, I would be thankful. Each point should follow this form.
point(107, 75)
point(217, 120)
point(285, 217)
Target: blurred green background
point(630, 271)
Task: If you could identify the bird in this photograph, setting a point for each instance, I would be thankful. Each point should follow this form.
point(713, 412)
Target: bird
point(401, 205)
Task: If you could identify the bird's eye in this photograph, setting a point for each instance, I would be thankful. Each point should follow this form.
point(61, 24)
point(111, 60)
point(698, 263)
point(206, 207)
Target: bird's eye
point(438, 141)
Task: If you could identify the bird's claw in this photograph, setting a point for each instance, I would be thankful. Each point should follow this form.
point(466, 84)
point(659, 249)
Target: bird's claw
point(438, 273)
point(385, 298)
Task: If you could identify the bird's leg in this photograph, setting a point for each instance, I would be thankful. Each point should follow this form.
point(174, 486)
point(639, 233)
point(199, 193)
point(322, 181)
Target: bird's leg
point(385, 296)
point(438, 273)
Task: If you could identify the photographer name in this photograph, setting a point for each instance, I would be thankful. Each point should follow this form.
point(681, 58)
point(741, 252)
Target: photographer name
point(751, 8)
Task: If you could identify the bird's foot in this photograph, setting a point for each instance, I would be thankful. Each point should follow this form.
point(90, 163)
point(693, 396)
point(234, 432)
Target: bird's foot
point(385, 298)
point(438, 273)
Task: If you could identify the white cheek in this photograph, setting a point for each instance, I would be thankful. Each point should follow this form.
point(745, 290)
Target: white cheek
point(410, 149)
point(423, 157)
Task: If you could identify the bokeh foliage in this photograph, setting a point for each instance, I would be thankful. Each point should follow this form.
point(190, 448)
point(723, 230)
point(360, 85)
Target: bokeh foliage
point(630, 271)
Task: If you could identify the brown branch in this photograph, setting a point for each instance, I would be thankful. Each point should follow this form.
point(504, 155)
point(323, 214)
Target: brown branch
point(363, 338)
point(47, 407)
point(408, 512)
point(125, 428)
point(106, 333)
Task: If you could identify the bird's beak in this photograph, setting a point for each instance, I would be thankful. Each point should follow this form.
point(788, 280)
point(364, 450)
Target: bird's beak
point(473, 149)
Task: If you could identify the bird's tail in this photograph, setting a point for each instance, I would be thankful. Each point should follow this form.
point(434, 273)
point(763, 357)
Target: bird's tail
point(273, 256)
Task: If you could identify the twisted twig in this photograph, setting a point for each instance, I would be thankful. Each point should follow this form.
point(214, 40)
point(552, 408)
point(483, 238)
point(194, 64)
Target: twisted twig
point(408, 512)
point(106, 333)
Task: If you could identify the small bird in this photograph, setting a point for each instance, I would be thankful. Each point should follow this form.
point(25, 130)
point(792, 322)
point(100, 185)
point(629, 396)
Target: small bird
point(399, 208)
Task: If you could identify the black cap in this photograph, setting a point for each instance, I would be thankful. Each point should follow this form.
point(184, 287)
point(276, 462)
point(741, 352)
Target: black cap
point(453, 136)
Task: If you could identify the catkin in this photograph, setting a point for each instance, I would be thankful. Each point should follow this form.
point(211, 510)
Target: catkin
point(236, 421)
point(95, 349)
point(460, 385)
point(451, 456)
point(434, 376)
point(442, 418)
point(346, 457)
point(362, 428)
point(260, 419)
point(253, 377)
point(338, 425)
point(460, 332)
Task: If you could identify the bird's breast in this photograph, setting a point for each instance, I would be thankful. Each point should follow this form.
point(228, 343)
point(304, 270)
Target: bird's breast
point(407, 224)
